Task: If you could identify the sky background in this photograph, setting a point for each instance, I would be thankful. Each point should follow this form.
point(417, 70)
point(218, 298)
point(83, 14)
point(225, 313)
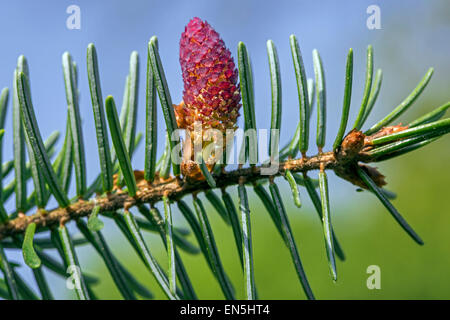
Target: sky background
point(412, 38)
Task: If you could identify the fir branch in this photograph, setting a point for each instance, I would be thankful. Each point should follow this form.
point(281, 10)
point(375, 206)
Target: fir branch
point(175, 190)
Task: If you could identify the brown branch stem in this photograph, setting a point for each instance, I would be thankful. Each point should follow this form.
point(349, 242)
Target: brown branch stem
point(175, 188)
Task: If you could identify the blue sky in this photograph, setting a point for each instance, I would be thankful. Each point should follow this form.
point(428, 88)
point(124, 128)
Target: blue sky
point(38, 30)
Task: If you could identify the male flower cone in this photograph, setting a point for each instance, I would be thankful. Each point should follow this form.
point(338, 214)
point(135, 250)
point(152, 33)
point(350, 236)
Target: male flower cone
point(211, 94)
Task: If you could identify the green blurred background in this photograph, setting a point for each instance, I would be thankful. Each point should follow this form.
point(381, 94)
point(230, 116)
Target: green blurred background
point(414, 36)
